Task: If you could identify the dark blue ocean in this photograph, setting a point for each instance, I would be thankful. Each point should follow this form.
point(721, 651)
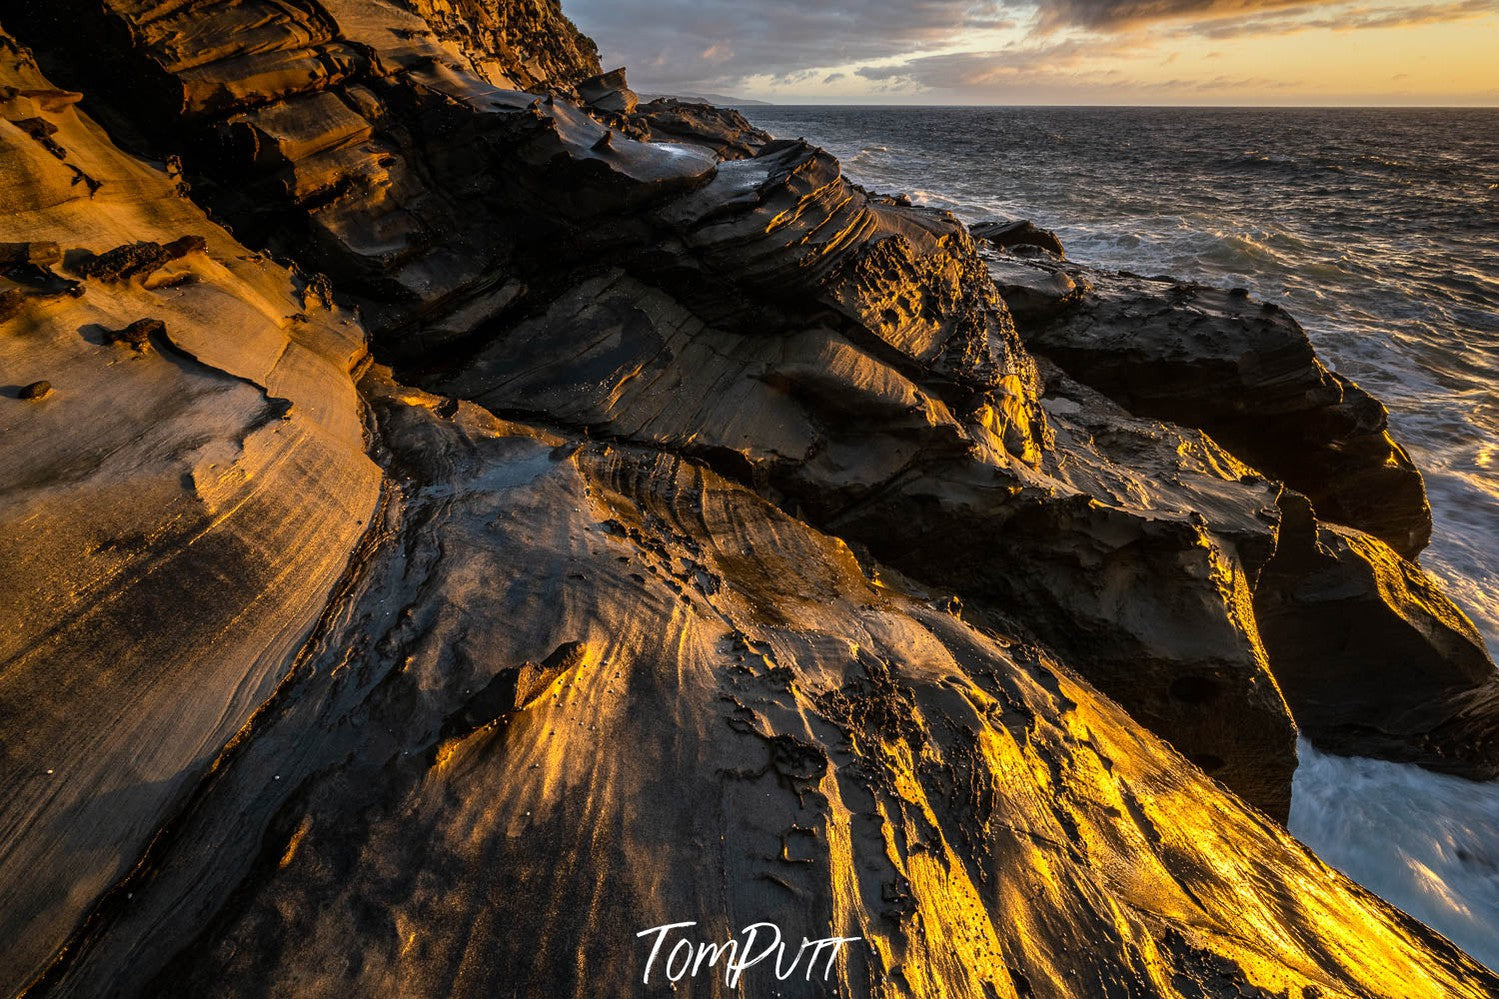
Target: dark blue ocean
point(1379, 230)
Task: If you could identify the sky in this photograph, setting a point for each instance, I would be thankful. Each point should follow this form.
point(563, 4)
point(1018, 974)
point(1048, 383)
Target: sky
point(1191, 52)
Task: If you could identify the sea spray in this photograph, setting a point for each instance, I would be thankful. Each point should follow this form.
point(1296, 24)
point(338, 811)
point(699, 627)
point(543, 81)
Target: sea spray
point(1423, 841)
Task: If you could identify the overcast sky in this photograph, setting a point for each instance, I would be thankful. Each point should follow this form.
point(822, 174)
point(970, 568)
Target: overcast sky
point(1055, 51)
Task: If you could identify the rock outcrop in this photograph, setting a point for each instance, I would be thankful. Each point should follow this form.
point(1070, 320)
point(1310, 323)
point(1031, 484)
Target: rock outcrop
point(1372, 656)
point(722, 130)
point(716, 551)
point(809, 743)
point(521, 44)
point(1019, 235)
point(175, 508)
point(1245, 372)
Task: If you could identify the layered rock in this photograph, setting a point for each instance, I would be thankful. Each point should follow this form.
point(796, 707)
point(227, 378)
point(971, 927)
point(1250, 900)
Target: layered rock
point(1120, 570)
point(338, 130)
point(806, 742)
point(879, 381)
point(519, 44)
point(1245, 372)
point(1373, 657)
point(175, 509)
point(723, 130)
point(634, 656)
point(1018, 235)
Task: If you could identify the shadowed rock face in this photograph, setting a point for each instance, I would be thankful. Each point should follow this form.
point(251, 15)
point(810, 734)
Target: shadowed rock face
point(605, 657)
point(1373, 657)
point(1245, 372)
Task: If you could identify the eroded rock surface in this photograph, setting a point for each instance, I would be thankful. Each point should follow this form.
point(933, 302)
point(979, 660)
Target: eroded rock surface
point(605, 658)
point(1372, 656)
point(809, 743)
point(1245, 372)
point(172, 519)
point(1119, 569)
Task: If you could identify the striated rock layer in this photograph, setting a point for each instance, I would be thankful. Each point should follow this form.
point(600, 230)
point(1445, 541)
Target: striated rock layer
point(1372, 657)
point(745, 566)
point(493, 772)
point(174, 513)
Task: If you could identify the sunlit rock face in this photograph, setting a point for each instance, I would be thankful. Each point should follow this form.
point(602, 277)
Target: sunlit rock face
point(174, 512)
point(580, 690)
point(736, 559)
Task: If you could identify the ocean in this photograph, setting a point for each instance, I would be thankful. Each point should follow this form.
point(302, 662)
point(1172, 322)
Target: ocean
point(1378, 229)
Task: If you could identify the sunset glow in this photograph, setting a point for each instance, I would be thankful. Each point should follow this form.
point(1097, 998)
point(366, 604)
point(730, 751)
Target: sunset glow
point(1065, 52)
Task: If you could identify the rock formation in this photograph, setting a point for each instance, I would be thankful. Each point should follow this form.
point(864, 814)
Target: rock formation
point(1245, 372)
point(177, 509)
point(1373, 659)
point(716, 550)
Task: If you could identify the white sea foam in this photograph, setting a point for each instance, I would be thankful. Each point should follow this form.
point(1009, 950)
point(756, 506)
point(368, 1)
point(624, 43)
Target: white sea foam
point(1425, 842)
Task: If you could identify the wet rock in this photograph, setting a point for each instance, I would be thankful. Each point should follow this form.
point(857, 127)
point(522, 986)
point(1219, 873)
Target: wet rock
point(36, 391)
point(723, 130)
point(1244, 372)
point(1373, 658)
point(1015, 234)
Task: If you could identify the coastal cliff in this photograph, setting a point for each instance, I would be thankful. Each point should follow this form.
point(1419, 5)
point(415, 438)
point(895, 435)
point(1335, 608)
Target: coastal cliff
point(457, 516)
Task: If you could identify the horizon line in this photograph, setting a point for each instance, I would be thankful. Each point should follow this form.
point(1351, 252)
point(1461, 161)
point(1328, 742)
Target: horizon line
point(870, 102)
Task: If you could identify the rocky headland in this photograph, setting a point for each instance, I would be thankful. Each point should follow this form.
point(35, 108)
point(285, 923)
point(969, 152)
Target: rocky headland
point(455, 516)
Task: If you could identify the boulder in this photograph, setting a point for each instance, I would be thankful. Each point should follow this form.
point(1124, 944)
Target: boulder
point(1245, 372)
point(723, 130)
point(608, 92)
point(1017, 234)
point(1373, 658)
point(1034, 291)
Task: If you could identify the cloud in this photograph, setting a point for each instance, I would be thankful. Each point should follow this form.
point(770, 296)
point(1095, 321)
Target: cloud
point(1114, 15)
point(1340, 17)
point(1051, 64)
point(917, 46)
point(667, 43)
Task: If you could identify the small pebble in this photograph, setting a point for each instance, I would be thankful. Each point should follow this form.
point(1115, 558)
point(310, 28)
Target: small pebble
point(37, 391)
